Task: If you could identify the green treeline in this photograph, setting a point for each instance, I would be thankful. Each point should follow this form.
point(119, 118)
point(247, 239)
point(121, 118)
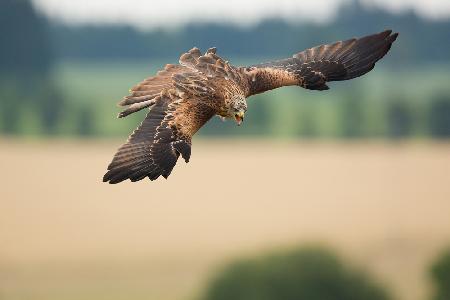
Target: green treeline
point(26, 63)
point(62, 80)
point(420, 40)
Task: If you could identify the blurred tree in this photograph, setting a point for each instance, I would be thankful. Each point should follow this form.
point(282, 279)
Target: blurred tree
point(257, 118)
point(307, 121)
point(352, 117)
point(10, 107)
point(399, 119)
point(270, 38)
point(50, 107)
point(86, 121)
point(25, 63)
point(27, 54)
point(440, 273)
point(304, 274)
point(25, 48)
point(439, 117)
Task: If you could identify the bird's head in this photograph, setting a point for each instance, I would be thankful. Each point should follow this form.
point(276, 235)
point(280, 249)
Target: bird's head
point(239, 117)
point(238, 109)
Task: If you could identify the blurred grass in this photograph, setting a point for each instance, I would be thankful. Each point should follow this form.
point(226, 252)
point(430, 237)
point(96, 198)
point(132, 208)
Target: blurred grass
point(102, 84)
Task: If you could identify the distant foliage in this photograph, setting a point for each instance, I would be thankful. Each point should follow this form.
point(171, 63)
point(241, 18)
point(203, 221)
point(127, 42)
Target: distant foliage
point(399, 119)
point(25, 45)
point(303, 274)
point(85, 121)
point(439, 117)
point(10, 107)
point(270, 38)
point(352, 116)
point(258, 115)
point(440, 273)
point(31, 45)
point(26, 60)
point(308, 121)
point(50, 106)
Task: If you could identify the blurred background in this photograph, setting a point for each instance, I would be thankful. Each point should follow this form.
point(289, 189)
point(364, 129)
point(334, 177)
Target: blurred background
point(342, 194)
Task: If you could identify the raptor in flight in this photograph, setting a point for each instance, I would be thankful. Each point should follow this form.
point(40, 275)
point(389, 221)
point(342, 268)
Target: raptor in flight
point(183, 97)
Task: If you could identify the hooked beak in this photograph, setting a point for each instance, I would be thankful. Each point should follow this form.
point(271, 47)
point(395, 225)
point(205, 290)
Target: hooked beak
point(239, 117)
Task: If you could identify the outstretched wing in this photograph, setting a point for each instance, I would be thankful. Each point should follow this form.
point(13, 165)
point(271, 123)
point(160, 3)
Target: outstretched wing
point(314, 67)
point(146, 92)
point(154, 147)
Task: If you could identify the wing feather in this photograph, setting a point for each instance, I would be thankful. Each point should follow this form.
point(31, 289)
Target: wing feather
point(314, 67)
point(145, 93)
point(153, 148)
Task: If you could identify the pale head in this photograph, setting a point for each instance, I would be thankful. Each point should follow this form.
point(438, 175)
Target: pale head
point(237, 108)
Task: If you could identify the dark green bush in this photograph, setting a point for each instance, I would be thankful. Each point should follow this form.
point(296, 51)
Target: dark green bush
point(439, 117)
point(50, 105)
point(440, 273)
point(10, 107)
point(399, 118)
point(307, 121)
point(85, 124)
point(352, 116)
point(304, 274)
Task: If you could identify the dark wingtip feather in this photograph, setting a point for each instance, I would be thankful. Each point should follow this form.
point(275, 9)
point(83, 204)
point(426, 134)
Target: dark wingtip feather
point(124, 113)
point(388, 35)
point(184, 148)
point(111, 179)
point(105, 177)
point(394, 37)
point(366, 53)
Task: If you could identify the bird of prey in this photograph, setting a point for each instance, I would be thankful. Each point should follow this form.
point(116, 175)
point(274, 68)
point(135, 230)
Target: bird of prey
point(184, 96)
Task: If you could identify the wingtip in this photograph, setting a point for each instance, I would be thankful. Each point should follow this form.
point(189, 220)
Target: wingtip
point(115, 180)
point(122, 102)
point(390, 34)
point(112, 178)
point(106, 178)
point(394, 36)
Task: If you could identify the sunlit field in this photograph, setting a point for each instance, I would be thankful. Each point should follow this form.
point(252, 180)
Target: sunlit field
point(66, 235)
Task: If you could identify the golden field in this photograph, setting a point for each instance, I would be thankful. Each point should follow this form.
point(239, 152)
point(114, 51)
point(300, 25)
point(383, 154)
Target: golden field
point(66, 235)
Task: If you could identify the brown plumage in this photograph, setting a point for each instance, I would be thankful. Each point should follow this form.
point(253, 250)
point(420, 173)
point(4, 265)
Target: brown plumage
point(182, 98)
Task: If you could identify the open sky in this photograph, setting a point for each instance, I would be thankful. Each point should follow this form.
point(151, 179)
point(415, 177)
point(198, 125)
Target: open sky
point(173, 13)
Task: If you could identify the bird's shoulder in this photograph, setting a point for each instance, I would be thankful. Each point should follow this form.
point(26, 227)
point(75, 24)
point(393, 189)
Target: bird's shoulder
point(217, 72)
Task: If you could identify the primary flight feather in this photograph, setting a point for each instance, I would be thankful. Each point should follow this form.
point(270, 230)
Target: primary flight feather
point(183, 97)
